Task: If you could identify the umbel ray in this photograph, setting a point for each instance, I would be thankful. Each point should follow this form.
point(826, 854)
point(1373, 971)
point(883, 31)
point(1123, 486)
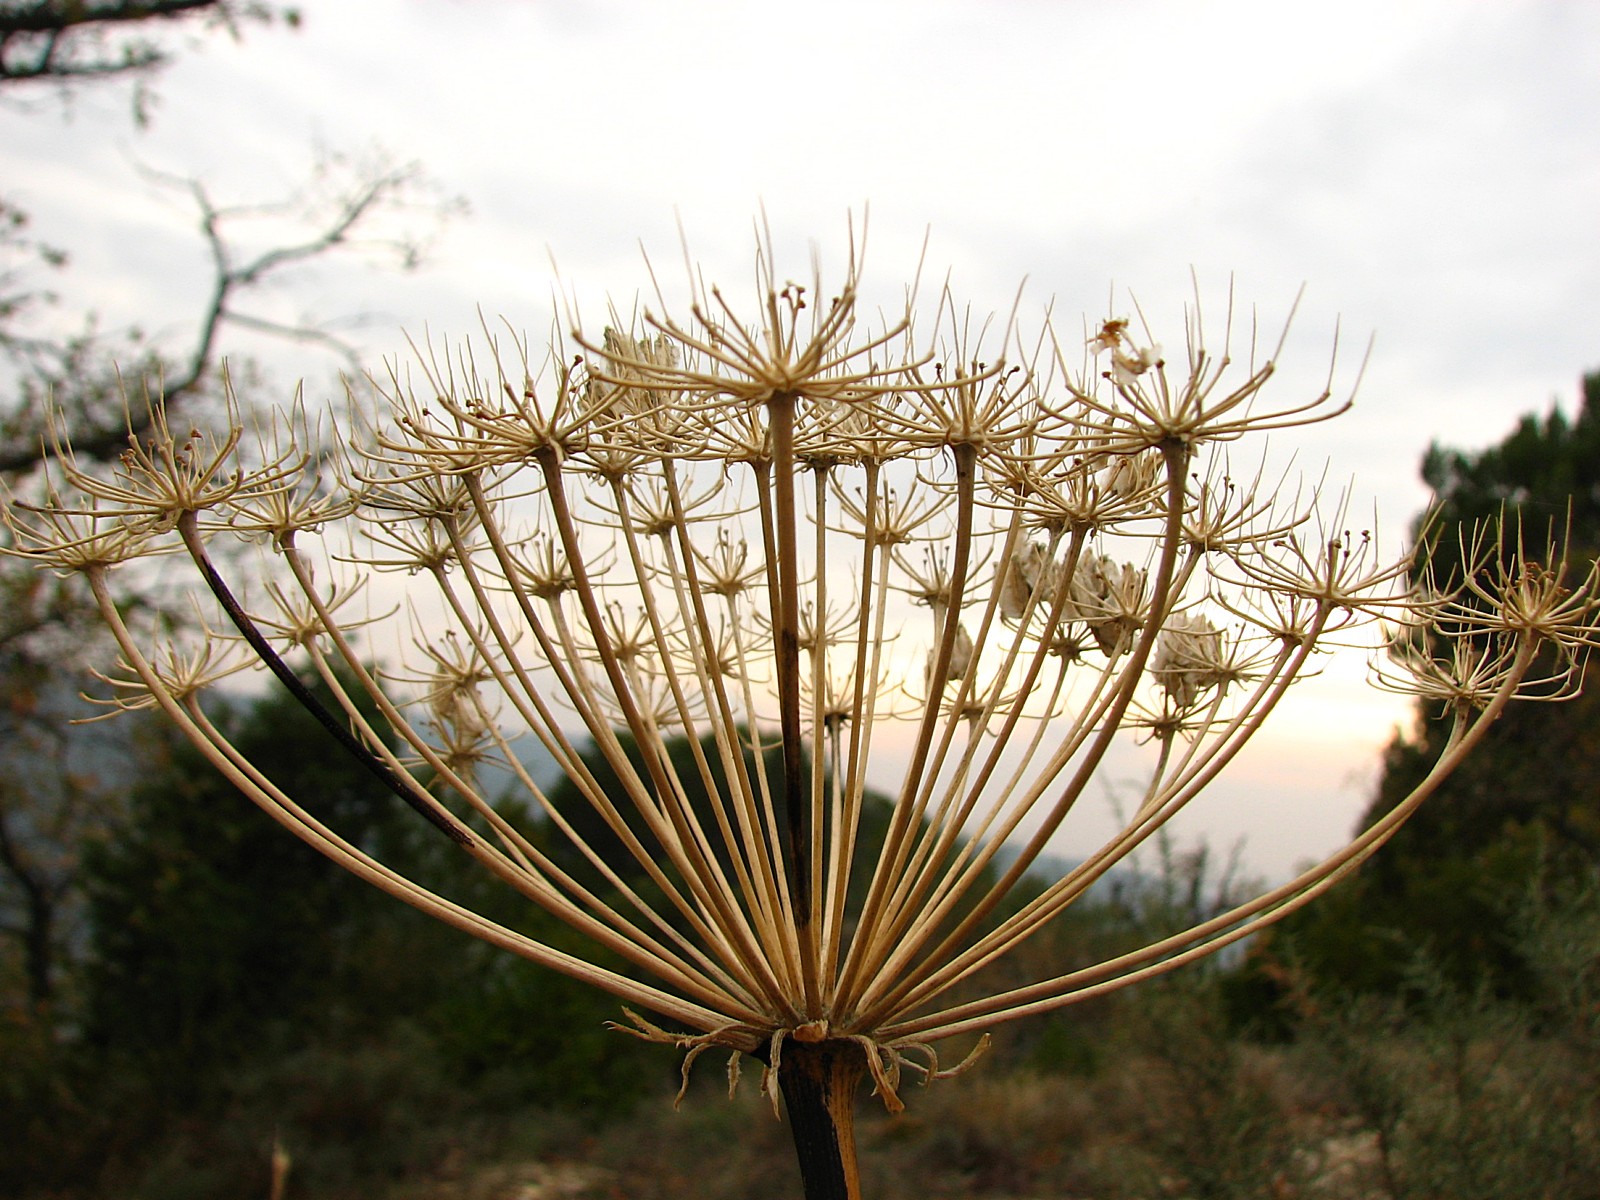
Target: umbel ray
point(833, 556)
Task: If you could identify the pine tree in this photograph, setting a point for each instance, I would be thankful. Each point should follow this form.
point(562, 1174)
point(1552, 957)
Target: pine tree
point(1524, 811)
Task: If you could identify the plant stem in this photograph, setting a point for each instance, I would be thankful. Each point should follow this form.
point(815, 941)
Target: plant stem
point(819, 1081)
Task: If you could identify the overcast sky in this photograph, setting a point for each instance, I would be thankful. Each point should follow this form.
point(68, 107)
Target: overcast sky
point(1429, 171)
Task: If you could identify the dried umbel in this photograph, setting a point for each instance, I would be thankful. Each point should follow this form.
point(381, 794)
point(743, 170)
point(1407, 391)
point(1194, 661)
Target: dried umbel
point(837, 558)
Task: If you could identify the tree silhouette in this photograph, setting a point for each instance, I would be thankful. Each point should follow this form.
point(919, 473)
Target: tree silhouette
point(1526, 807)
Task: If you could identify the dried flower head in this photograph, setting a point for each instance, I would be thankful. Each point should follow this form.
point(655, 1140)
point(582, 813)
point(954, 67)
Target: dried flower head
point(837, 560)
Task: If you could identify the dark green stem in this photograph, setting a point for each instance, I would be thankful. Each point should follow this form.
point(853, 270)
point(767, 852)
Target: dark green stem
point(340, 730)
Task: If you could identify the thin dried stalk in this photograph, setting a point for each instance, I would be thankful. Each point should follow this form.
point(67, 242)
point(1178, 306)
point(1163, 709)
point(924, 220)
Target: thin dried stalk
point(835, 560)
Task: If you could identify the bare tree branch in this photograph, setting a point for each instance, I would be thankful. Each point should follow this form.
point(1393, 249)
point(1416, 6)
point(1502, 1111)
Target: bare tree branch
point(87, 380)
point(49, 805)
point(80, 42)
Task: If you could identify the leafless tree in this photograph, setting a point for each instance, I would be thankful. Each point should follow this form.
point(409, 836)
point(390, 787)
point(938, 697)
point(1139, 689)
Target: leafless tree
point(368, 205)
point(72, 42)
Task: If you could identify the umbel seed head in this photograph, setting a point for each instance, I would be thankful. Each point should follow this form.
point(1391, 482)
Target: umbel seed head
point(853, 616)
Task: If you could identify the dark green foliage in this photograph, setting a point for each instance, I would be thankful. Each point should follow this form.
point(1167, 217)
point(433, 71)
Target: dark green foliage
point(1542, 470)
point(590, 825)
point(1526, 804)
point(239, 986)
point(216, 934)
point(353, 1116)
point(1204, 1103)
point(1466, 1094)
point(521, 1035)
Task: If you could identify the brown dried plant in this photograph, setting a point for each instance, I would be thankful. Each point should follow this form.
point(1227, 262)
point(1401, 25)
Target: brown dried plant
point(817, 549)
